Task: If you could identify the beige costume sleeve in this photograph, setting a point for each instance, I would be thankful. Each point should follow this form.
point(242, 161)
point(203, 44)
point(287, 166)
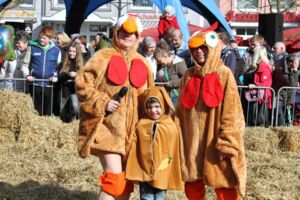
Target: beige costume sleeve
point(230, 140)
point(88, 80)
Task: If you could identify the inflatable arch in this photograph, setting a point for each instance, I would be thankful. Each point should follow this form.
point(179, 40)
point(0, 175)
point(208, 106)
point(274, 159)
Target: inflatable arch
point(78, 11)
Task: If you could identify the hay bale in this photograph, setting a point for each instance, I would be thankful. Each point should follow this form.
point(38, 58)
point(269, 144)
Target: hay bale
point(289, 138)
point(261, 139)
point(16, 109)
point(273, 176)
point(6, 136)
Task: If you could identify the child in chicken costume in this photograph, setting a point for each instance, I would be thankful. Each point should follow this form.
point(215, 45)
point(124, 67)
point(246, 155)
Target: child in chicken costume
point(104, 132)
point(154, 157)
point(212, 124)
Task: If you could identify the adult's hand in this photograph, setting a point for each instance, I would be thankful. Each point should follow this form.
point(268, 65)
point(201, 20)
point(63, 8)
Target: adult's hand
point(72, 74)
point(53, 79)
point(112, 106)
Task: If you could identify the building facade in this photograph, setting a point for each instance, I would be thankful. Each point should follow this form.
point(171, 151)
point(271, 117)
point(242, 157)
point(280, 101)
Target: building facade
point(243, 15)
point(31, 15)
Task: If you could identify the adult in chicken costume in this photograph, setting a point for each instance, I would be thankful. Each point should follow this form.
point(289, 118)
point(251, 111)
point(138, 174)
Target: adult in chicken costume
point(107, 125)
point(212, 123)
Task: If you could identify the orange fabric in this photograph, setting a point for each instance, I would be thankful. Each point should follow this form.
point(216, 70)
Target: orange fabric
point(227, 193)
point(130, 25)
point(195, 190)
point(115, 184)
point(196, 42)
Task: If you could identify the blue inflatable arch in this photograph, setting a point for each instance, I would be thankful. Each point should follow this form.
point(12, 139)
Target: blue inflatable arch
point(78, 11)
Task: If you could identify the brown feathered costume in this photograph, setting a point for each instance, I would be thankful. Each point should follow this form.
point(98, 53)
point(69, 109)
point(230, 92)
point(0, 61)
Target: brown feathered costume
point(212, 122)
point(99, 81)
point(154, 156)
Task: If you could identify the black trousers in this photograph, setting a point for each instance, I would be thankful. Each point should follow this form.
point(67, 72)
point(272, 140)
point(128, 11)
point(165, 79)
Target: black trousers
point(42, 99)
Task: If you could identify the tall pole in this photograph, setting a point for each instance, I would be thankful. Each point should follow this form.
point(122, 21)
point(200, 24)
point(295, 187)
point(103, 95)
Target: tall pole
point(278, 6)
point(119, 8)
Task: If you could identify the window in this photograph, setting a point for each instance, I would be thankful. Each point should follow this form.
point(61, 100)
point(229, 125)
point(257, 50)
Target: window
point(27, 2)
point(283, 4)
point(94, 28)
point(58, 3)
point(142, 3)
point(246, 31)
point(246, 5)
point(98, 28)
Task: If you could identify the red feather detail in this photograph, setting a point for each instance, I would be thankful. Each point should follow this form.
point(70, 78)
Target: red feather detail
point(213, 27)
point(138, 73)
point(117, 70)
point(190, 93)
point(212, 91)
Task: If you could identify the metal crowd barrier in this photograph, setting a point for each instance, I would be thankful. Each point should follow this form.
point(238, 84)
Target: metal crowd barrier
point(255, 107)
point(22, 85)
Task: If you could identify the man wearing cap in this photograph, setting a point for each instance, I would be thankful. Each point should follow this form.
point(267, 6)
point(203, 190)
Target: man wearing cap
point(107, 124)
point(212, 123)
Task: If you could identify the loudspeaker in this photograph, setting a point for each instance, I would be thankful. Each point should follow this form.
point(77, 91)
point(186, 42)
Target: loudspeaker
point(270, 26)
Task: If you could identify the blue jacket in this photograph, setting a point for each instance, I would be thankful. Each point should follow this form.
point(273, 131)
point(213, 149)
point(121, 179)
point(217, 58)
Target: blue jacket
point(43, 63)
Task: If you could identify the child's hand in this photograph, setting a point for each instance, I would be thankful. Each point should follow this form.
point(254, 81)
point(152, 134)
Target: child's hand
point(251, 86)
point(30, 78)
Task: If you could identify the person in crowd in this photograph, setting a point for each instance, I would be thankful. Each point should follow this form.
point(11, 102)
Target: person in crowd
point(255, 41)
point(109, 89)
point(23, 51)
point(280, 74)
point(66, 78)
point(228, 55)
point(212, 123)
point(262, 78)
point(287, 77)
point(18, 68)
point(258, 40)
point(102, 41)
point(147, 48)
point(80, 39)
point(14, 68)
point(174, 68)
point(160, 76)
point(62, 40)
point(45, 57)
point(5, 73)
point(167, 20)
point(280, 55)
point(179, 47)
point(233, 44)
point(168, 36)
point(154, 157)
